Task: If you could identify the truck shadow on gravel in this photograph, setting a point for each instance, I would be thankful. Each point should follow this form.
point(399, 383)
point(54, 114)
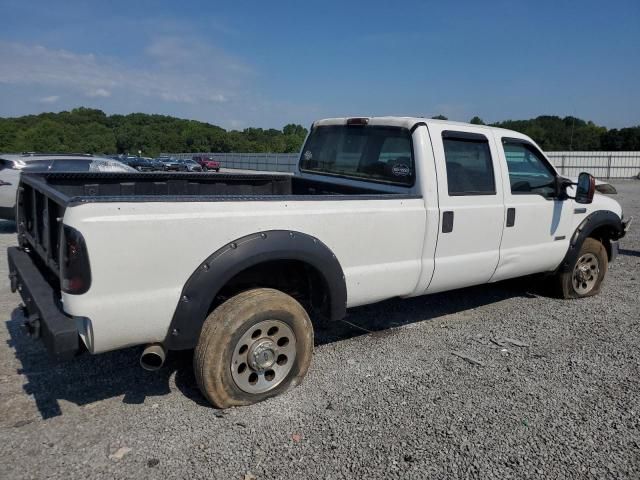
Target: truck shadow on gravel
point(88, 378)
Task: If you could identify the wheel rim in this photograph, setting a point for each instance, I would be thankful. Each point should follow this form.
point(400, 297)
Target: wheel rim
point(263, 356)
point(586, 273)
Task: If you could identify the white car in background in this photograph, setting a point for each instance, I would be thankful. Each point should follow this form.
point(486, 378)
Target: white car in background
point(12, 165)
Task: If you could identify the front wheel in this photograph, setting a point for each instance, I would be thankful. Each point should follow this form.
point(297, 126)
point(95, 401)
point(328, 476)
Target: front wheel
point(585, 276)
point(256, 345)
point(204, 169)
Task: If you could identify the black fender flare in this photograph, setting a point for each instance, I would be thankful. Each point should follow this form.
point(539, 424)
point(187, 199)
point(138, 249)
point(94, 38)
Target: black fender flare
point(212, 274)
point(595, 220)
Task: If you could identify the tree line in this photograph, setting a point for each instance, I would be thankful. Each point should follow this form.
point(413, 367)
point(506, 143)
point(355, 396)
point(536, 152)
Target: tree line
point(554, 133)
point(92, 131)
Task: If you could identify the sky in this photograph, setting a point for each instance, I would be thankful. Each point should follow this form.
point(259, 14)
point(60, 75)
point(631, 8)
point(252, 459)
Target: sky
point(266, 64)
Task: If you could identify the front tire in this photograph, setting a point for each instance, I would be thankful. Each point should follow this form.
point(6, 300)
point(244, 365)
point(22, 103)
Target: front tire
point(254, 346)
point(584, 278)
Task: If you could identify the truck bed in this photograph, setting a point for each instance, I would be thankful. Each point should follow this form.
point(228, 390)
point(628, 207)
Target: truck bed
point(44, 197)
point(69, 189)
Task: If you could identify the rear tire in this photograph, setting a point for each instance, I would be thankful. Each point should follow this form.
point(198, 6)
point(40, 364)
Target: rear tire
point(254, 346)
point(587, 272)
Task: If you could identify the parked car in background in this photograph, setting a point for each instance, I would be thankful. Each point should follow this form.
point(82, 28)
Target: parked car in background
point(173, 165)
point(191, 165)
point(158, 166)
point(141, 164)
point(12, 165)
point(207, 163)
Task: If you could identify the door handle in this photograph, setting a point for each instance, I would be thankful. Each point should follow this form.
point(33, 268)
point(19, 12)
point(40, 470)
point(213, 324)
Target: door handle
point(447, 222)
point(511, 217)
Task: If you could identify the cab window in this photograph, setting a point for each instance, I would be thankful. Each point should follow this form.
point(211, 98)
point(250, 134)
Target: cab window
point(373, 153)
point(529, 172)
point(469, 164)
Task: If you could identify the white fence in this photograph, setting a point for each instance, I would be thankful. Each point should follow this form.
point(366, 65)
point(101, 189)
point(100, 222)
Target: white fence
point(599, 164)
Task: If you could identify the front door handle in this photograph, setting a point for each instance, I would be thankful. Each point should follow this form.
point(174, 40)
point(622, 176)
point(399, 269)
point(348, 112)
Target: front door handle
point(511, 217)
point(447, 222)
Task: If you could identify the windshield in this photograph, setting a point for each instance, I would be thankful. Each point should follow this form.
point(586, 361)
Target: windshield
point(374, 153)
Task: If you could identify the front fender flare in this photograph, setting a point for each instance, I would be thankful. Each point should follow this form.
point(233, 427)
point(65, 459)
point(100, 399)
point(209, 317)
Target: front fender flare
point(598, 219)
point(212, 274)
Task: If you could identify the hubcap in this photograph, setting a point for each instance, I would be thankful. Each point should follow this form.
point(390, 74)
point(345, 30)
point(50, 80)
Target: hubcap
point(585, 273)
point(263, 356)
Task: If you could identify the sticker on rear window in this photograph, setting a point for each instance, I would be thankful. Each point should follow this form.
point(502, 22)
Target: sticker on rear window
point(308, 155)
point(401, 170)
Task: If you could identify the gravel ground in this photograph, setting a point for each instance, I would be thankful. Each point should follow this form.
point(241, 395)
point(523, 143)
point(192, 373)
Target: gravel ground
point(560, 399)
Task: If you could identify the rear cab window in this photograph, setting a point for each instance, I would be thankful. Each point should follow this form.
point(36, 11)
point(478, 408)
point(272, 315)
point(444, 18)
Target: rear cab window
point(382, 154)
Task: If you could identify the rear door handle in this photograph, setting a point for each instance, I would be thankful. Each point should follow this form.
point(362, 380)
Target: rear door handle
point(511, 217)
point(447, 222)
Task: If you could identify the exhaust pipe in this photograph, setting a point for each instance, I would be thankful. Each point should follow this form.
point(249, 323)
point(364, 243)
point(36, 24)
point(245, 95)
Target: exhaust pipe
point(153, 357)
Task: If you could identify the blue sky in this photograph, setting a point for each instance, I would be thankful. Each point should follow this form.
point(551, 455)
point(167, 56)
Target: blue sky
point(256, 63)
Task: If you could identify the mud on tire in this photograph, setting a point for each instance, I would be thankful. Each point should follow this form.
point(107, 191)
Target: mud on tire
point(256, 345)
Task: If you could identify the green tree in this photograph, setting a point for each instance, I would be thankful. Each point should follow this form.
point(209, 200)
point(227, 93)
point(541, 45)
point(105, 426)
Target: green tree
point(477, 121)
point(91, 130)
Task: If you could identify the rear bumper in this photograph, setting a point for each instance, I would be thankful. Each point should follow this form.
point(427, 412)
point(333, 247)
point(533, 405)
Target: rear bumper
point(45, 318)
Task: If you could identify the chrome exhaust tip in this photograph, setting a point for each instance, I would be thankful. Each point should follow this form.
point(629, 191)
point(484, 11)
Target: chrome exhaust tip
point(153, 357)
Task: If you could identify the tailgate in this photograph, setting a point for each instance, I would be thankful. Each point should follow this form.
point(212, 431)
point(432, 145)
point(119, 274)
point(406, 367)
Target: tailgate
point(39, 220)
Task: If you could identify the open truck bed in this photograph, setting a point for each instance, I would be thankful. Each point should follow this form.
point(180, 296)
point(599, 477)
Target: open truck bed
point(44, 197)
point(70, 189)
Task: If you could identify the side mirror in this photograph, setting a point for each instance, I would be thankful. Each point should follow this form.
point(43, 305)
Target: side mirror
point(586, 187)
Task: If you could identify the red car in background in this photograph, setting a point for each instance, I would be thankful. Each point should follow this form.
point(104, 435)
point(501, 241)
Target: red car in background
point(207, 163)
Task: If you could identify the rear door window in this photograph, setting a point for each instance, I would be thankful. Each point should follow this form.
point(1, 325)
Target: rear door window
point(469, 164)
point(374, 153)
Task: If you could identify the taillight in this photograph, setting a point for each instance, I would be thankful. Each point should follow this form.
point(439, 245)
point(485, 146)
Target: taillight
point(75, 273)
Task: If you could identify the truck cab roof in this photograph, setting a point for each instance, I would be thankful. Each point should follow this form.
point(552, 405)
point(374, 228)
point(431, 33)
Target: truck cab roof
point(410, 123)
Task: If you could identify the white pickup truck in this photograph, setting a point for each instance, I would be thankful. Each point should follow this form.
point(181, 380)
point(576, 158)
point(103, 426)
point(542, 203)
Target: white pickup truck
point(236, 266)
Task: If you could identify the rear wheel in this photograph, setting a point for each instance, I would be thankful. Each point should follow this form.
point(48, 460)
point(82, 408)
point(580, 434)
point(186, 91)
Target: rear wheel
point(256, 345)
point(585, 276)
